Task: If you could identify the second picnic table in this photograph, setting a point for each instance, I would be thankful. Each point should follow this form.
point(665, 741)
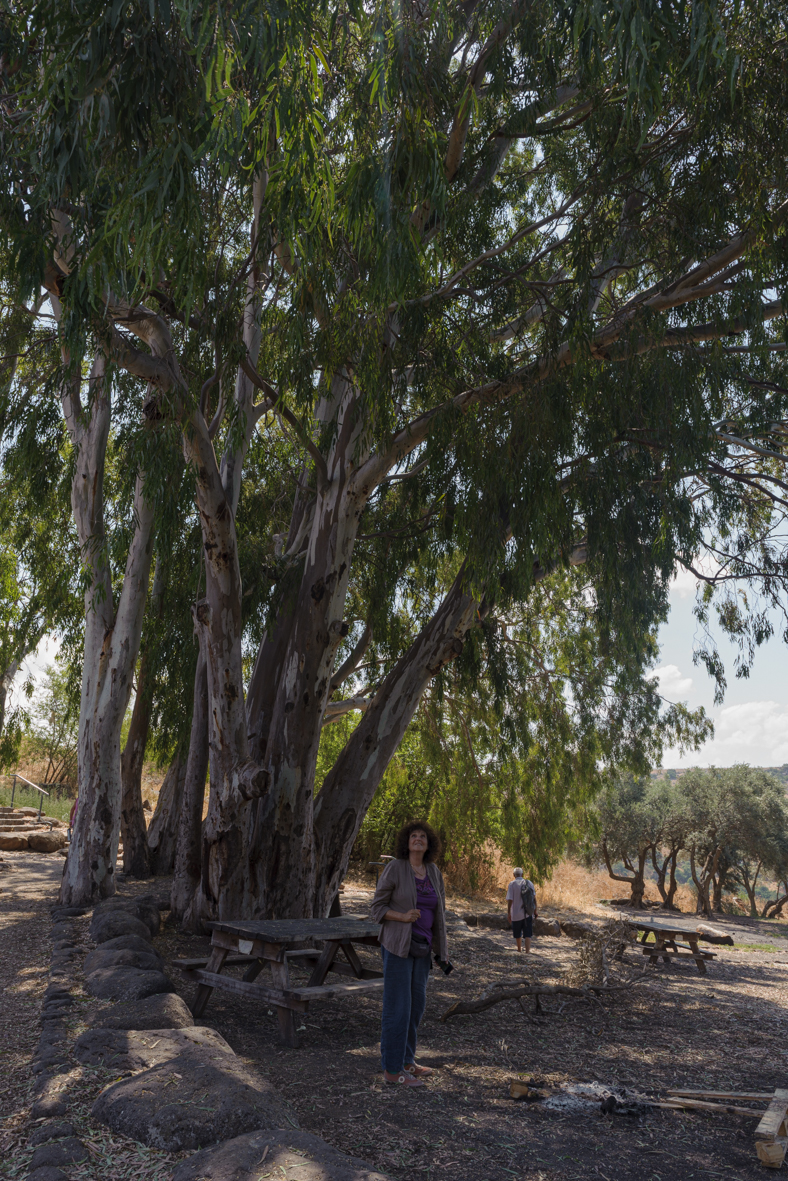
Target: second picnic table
point(669, 936)
point(258, 943)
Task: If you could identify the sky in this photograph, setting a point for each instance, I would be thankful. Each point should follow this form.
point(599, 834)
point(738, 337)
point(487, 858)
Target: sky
point(751, 725)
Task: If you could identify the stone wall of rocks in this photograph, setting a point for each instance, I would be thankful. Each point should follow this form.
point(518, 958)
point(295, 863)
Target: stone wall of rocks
point(181, 1087)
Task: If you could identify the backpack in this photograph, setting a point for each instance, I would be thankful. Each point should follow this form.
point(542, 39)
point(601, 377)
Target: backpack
point(528, 895)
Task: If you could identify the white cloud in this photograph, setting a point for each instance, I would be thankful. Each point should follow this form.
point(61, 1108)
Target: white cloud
point(757, 728)
point(683, 586)
point(754, 732)
point(33, 667)
point(671, 682)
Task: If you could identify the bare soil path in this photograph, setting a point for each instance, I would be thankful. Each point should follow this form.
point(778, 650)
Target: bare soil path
point(28, 888)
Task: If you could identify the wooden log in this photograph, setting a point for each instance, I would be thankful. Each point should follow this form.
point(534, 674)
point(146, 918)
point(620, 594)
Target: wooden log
point(765, 1096)
point(654, 951)
point(720, 1108)
point(496, 996)
point(520, 1090)
point(712, 935)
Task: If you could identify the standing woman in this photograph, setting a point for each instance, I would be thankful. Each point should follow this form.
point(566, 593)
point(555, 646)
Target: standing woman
point(410, 903)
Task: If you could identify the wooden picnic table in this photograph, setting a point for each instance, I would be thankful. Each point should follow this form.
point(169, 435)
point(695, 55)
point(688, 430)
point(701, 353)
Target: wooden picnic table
point(670, 935)
point(270, 943)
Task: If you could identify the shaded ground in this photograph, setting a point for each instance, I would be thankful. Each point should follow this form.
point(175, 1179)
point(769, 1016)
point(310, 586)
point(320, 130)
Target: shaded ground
point(28, 884)
point(726, 1031)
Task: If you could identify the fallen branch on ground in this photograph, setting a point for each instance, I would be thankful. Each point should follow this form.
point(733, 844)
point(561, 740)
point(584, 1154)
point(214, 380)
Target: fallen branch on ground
point(498, 993)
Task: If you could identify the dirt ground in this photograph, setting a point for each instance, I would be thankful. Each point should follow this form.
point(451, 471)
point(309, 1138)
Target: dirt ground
point(724, 1031)
point(673, 1027)
point(28, 884)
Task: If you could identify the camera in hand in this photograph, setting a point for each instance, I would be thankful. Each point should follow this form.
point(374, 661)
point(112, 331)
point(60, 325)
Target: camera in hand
point(445, 966)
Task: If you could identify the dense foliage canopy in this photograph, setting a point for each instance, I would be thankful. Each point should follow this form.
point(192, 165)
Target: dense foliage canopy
point(437, 303)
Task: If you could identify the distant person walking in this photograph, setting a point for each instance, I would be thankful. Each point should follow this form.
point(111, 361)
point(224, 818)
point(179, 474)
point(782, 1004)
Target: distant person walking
point(410, 905)
point(521, 908)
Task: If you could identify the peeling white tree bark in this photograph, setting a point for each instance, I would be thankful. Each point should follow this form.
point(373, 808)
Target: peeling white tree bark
point(112, 639)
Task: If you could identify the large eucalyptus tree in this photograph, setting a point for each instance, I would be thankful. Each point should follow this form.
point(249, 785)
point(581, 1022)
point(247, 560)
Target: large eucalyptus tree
point(481, 264)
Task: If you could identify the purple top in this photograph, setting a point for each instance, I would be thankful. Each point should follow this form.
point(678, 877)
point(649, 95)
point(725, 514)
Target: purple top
point(426, 902)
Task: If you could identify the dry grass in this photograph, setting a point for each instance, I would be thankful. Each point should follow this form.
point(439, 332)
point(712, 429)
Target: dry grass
point(572, 887)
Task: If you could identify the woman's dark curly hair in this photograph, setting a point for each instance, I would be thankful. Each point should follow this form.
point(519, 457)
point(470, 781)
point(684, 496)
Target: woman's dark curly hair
point(403, 837)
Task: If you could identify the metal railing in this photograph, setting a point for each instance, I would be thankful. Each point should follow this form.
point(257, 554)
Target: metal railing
point(30, 784)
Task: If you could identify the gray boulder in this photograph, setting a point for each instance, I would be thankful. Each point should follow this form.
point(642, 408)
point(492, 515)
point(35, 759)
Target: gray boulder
point(289, 1156)
point(59, 1152)
point(108, 924)
point(128, 943)
point(47, 1173)
point(200, 1097)
point(123, 1049)
point(50, 1132)
point(127, 984)
point(144, 908)
point(46, 842)
point(48, 1107)
point(101, 958)
point(165, 1010)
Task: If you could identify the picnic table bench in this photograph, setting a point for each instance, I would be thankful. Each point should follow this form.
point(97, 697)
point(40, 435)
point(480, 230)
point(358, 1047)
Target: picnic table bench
point(260, 943)
point(672, 940)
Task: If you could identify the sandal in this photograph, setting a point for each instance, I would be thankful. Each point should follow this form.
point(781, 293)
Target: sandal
point(418, 1071)
point(402, 1079)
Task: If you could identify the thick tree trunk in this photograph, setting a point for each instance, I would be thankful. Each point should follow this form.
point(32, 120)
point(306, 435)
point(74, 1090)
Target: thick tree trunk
point(636, 877)
point(112, 640)
point(351, 783)
point(703, 879)
point(235, 778)
point(133, 826)
point(638, 884)
point(774, 907)
point(6, 681)
point(188, 858)
point(163, 828)
point(665, 869)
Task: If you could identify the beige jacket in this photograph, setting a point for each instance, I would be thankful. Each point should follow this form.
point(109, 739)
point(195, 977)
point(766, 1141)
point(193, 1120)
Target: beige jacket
point(397, 891)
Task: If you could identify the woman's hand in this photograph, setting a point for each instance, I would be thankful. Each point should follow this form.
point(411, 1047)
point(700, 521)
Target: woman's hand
point(397, 916)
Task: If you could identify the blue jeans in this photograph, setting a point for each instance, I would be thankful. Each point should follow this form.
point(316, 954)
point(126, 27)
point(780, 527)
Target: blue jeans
point(404, 999)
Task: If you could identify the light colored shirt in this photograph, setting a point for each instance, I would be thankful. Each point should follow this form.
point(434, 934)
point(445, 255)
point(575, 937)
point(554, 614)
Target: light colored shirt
point(515, 896)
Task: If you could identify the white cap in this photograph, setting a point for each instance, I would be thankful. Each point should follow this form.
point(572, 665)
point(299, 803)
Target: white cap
point(518, 873)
